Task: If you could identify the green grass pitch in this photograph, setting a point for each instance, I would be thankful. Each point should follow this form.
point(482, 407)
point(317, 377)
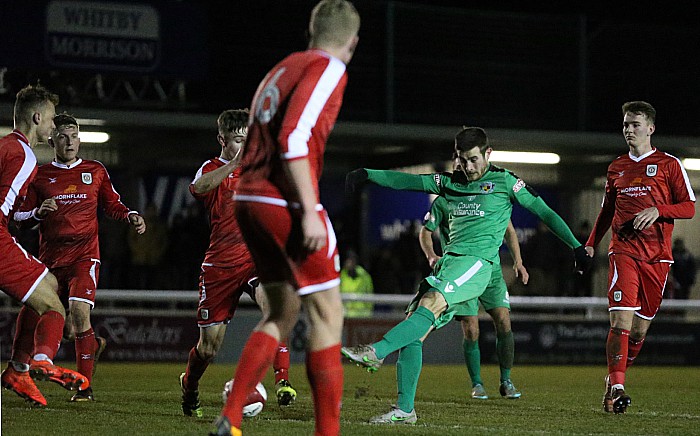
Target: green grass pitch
point(144, 399)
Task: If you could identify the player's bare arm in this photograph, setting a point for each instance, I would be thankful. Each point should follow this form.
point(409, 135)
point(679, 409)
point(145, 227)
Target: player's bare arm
point(511, 238)
point(425, 238)
point(213, 179)
point(138, 222)
point(313, 229)
point(47, 206)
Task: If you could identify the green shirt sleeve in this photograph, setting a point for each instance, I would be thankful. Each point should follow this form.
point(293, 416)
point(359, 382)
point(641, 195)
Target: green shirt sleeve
point(534, 203)
point(429, 183)
point(435, 216)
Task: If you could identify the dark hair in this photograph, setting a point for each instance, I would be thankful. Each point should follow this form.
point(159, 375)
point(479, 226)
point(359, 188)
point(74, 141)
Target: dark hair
point(232, 120)
point(64, 119)
point(470, 137)
point(30, 99)
point(640, 108)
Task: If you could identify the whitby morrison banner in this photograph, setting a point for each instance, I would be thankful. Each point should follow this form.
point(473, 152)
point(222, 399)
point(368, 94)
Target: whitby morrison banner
point(105, 36)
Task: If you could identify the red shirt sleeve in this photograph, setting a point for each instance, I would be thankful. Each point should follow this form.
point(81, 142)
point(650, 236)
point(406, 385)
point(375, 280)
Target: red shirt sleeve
point(605, 217)
point(24, 217)
point(110, 199)
point(682, 195)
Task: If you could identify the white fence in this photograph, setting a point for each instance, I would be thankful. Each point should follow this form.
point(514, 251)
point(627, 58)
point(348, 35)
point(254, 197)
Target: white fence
point(139, 301)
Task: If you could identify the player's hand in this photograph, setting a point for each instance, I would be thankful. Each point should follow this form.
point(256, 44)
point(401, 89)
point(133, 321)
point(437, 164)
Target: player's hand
point(47, 206)
point(583, 259)
point(520, 271)
point(355, 179)
point(432, 260)
point(138, 222)
point(590, 251)
point(644, 219)
point(314, 231)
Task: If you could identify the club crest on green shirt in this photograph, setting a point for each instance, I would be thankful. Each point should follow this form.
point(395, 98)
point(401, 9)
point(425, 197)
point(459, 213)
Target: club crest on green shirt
point(486, 187)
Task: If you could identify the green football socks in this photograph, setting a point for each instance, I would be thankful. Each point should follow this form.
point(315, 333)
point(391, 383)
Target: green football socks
point(505, 350)
point(408, 368)
point(472, 357)
point(411, 329)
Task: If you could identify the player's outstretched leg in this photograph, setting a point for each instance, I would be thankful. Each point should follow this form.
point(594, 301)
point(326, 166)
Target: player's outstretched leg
point(364, 356)
point(395, 416)
point(22, 384)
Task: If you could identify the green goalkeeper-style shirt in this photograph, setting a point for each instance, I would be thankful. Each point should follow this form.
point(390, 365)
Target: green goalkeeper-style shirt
point(435, 219)
point(479, 210)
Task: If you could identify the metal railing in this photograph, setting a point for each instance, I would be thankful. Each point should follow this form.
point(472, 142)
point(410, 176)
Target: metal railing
point(140, 301)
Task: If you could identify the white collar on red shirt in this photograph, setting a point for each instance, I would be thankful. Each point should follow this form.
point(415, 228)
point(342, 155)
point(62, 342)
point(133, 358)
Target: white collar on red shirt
point(21, 135)
point(637, 159)
point(223, 160)
point(67, 167)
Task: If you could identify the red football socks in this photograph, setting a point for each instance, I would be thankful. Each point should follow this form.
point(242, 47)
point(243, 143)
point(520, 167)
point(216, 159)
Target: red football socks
point(257, 356)
point(325, 373)
point(617, 350)
point(85, 346)
point(281, 364)
point(23, 345)
point(633, 350)
point(48, 333)
point(195, 369)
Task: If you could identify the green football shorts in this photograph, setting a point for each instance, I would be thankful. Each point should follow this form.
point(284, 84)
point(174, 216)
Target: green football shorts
point(495, 295)
point(459, 279)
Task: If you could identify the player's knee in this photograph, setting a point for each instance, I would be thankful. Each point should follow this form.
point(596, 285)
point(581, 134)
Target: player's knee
point(434, 302)
point(80, 320)
point(207, 349)
point(470, 329)
point(207, 353)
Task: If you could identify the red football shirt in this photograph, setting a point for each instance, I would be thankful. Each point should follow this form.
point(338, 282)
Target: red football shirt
point(226, 245)
point(655, 179)
point(69, 234)
point(17, 170)
point(293, 112)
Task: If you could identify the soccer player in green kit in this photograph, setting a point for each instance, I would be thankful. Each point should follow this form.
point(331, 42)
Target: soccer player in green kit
point(480, 201)
point(495, 300)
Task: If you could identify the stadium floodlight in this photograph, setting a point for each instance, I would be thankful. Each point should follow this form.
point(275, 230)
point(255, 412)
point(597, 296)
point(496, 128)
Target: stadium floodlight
point(94, 137)
point(691, 164)
point(525, 157)
point(87, 137)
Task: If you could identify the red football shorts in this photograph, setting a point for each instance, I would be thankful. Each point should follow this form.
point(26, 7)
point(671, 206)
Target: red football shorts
point(20, 272)
point(636, 285)
point(78, 282)
point(273, 235)
point(219, 292)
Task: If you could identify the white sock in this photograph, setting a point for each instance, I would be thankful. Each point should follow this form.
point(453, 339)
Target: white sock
point(42, 356)
point(19, 366)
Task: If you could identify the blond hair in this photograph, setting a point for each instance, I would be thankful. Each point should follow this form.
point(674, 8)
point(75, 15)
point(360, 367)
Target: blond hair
point(333, 23)
point(31, 99)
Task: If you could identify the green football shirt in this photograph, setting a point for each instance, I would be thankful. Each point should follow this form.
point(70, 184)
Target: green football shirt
point(479, 210)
